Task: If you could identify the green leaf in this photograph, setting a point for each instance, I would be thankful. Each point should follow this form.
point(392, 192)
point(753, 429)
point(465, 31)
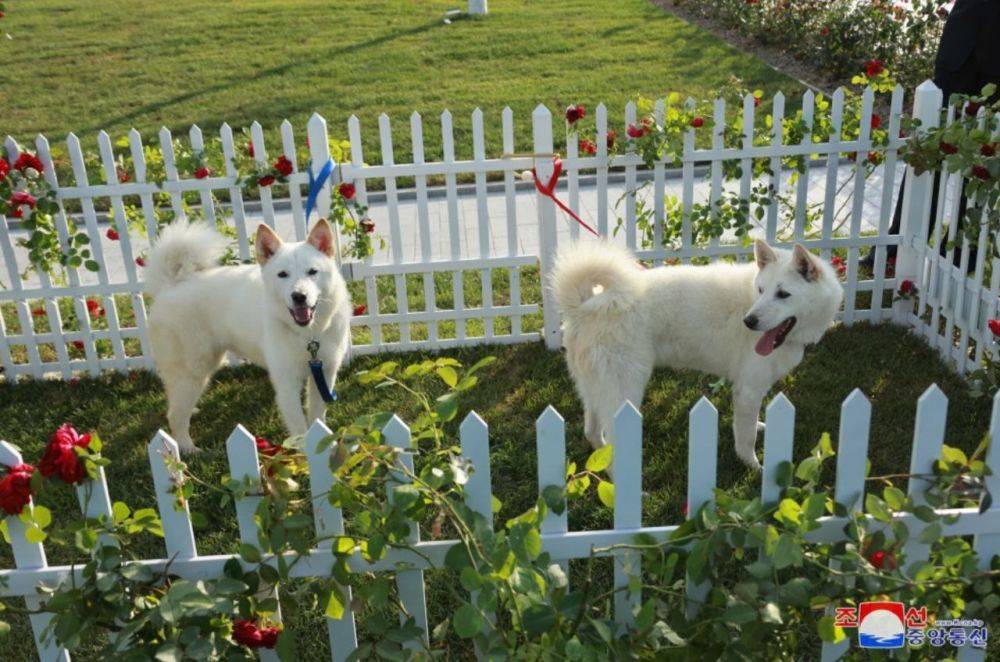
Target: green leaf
point(448, 375)
point(739, 613)
point(42, 516)
point(249, 553)
point(787, 552)
point(600, 459)
point(334, 604)
point(606, 493)
point(894, 496)
point(120, 512)
point(554, 498)
point(467, 621)
point(877, 508)
point(829, 631)
point(34, 534)
point(285, 648)
point(789, 511)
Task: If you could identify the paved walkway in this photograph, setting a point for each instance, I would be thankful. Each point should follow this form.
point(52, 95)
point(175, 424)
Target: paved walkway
point(522, 214)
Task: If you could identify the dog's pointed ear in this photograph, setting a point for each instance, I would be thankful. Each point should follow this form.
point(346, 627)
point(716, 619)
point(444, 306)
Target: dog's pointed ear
point(805, 263)
point(763, 253)
point(321, 237)
point(266, 244)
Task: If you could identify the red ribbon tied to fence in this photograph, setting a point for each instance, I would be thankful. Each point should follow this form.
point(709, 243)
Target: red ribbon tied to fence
point(548, 190)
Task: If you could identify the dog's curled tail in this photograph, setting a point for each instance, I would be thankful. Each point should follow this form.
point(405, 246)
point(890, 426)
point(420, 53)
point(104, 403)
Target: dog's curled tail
point(182, 250)
point(595, 277)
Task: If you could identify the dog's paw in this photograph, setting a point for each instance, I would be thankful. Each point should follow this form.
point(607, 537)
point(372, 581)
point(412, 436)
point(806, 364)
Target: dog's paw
point(751, 460)
point(189, 449)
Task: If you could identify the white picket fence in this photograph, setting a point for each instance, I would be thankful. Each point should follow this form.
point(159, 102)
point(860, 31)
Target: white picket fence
point(497, 232)
point(852, 451)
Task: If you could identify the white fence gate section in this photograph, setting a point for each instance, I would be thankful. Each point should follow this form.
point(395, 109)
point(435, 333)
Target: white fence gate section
point(852, 451)
point(464, 263)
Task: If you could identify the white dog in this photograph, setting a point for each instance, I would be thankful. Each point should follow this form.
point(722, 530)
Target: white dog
point(267, 314)
point(749, 323)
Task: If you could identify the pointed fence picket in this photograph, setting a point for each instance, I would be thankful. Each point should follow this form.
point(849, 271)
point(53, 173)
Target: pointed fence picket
point(433, 235)
point(562, 545)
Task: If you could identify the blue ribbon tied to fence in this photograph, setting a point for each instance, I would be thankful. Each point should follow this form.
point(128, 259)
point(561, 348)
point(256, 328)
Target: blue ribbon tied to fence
point(316, 184)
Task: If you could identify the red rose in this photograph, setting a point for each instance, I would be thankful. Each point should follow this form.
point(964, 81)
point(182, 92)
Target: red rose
point(874, 158)
point(882, 560)
point(825, 31)
point(18, 198)
point(874, 68)
point(122, 175)
point(972, 108)
point(266, 180)
point(38, 312)
point(269, 637)
point(250, 148)
point(947, 148)
point(284, 166)
point(906, 287)
point(60, 456)
point(360, 309)
point(699, 122)
point(141, 261)
point(246, 633)
point(94, 308)
point(265, 447)
point(575, 113)
point(989, 149)
point(756, 101)
point(26, 160)
point(77, 344)
point(347, 190)
point(15, 489)
point(368, 225)
point(588, 147)
point(981, 172)
point(111, 234)
point(994, 325)
point(634, 131)
point(202, 173)
point(876, 121)
point(611, 140)
point(4, 168)
point(835, 260)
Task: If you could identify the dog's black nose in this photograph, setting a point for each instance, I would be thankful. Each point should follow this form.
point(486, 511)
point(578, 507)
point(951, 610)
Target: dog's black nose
point(750, 321)
point(298, 298)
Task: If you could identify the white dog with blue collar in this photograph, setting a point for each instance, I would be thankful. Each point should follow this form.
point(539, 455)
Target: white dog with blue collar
point(290, 311)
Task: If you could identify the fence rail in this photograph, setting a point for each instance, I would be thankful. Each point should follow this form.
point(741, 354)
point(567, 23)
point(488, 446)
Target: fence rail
point(461, 269)
point(182, 556)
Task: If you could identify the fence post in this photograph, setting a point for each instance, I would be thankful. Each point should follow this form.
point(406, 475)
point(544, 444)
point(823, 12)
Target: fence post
point(916, 204)
point(478, 7)
point(541, 121)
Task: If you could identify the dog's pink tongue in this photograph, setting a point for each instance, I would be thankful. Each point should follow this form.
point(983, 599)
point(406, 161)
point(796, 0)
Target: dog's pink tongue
point(302, 315)
point(765, 345)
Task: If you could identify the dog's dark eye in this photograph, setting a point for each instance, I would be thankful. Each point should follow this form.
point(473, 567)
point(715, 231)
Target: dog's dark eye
point(282, 274)
point(312, 272)
point(781, 294)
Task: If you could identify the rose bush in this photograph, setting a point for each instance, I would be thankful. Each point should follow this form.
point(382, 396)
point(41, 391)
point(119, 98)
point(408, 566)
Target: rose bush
point(771, 585)
point(836, 36)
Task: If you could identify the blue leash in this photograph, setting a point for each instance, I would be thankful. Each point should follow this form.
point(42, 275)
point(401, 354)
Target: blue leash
point(316, 185)
point(316, 367)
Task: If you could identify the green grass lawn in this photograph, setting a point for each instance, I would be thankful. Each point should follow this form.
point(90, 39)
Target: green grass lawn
point(890, 365)
point(82, 67)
